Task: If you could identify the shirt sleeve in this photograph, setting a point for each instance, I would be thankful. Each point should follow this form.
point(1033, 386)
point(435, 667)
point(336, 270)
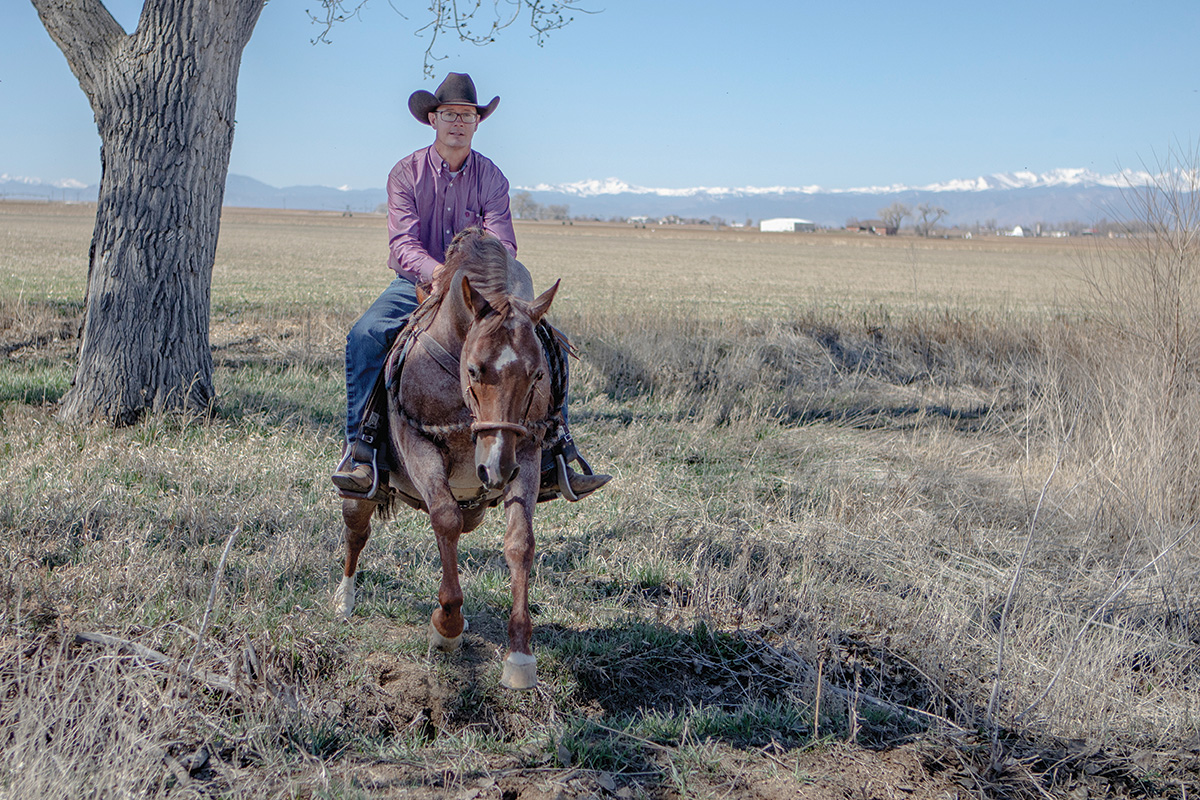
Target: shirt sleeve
point(408, 256)
point(497, 215)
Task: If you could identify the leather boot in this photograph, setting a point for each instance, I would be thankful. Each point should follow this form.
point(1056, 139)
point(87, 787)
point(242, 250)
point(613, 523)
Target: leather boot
point(354, 477)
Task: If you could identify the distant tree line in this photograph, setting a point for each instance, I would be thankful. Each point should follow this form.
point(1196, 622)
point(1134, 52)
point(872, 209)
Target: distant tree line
point(926, 217)
point(525, 207)
point(926, 214)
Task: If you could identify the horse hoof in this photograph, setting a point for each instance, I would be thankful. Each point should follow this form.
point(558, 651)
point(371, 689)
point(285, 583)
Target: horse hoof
point(520, 671)
point(444, 644)
point(343, 598)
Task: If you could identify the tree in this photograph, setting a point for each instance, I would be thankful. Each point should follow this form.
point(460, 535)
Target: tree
point(164, 100)
point(524, 206)
point(894, 215)
point(930, 214)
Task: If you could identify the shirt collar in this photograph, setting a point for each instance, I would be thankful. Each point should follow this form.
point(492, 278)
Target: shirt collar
point(439, 164)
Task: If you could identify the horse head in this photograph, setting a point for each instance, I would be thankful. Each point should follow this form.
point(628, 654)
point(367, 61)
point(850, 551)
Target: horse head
point(504, 379)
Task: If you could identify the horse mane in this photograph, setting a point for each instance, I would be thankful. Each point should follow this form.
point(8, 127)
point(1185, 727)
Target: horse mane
point(482, 259)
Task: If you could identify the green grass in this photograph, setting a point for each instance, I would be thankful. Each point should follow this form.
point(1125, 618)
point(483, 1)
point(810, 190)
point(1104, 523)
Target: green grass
point(812, 477)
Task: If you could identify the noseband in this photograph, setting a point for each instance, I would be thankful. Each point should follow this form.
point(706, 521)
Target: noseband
point(515, 427)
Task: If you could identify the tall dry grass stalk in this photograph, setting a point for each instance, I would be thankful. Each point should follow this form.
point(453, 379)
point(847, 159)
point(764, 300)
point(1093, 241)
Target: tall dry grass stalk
point(1119, 396)
point(1134, 380)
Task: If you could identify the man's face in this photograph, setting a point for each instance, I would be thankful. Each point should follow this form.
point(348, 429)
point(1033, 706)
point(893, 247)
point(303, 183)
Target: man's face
point(454, 133)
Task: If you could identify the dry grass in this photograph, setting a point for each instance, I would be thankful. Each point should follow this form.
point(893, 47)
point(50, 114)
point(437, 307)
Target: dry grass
point(827, 482)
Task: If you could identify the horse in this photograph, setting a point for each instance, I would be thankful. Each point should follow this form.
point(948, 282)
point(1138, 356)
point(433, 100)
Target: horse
point(468, 409)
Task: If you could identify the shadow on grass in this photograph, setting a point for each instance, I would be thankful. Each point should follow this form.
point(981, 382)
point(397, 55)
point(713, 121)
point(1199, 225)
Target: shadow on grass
point(816, 374)
point(276, 408)
point(33, 388)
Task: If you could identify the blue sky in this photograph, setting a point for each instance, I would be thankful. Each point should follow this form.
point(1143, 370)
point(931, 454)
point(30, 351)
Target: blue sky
point(675, 94)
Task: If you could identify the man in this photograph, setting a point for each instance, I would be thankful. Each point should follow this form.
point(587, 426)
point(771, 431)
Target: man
point(432, 195)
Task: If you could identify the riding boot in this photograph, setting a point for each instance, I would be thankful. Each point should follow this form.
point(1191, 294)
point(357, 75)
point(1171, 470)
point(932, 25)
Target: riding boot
point(558, 478)
point(358, 470)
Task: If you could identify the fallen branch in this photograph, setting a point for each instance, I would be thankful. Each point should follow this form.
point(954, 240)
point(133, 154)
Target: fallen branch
point(211, 679)
point(212, 597)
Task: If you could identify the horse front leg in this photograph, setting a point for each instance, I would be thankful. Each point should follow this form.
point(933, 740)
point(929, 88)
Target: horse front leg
point(356, 516)
point(447, 623)
point(520, 666)
point(427, 469)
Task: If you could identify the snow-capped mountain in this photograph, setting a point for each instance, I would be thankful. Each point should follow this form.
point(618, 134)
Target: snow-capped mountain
point(1059, 178)
point(1004, 198)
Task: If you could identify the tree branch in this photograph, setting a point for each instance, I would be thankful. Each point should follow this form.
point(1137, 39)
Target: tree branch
point(219, 682)
point(86, 33)
point(462, 19)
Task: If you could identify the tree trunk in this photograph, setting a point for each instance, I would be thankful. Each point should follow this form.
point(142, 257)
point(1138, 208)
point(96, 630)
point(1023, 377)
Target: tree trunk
point(164, 101)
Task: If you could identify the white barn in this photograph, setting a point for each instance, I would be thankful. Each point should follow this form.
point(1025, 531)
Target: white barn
point(787, 225)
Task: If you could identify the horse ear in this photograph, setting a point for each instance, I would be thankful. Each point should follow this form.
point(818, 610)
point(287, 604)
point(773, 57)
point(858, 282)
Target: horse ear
point(540, 306)
point(476, 303)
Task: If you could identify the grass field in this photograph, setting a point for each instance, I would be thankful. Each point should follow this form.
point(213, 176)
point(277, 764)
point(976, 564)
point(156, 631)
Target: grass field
point(892, 518)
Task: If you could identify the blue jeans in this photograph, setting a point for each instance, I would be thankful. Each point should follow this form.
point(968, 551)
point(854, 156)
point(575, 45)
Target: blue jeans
point(367, 347)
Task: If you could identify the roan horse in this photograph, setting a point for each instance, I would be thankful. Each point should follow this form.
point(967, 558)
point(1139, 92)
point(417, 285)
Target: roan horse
point(467, 414)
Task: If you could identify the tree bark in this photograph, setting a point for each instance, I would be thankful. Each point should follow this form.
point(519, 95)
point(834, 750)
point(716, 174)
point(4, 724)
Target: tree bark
point(164, 99)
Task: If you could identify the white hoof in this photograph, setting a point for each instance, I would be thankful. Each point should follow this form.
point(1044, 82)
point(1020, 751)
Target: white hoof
point(442, 643)
point(343, 598)
point(520, 671)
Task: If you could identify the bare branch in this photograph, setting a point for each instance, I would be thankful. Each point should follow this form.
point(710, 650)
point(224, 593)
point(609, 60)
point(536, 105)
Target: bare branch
point(466, 21)
point(86, 33)
point(157, 659)
point(334, 12)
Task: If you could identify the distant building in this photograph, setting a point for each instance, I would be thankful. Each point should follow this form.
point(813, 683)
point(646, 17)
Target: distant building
point(787, 225)
point(875, 226)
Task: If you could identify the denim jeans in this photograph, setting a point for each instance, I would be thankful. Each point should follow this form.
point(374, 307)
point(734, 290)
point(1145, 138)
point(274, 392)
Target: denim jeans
point(367, 346)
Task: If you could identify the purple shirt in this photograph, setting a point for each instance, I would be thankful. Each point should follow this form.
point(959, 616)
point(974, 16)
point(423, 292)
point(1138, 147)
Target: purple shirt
point(427, 206)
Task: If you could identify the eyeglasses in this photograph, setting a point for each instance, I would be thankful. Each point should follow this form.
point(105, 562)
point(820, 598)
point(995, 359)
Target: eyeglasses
point(451, 116)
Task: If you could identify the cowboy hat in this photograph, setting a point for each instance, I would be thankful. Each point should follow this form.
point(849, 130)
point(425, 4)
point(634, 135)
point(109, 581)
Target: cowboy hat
point(456, 90)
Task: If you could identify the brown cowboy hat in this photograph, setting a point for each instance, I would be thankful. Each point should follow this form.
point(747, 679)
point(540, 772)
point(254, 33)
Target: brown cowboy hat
point(456, 90)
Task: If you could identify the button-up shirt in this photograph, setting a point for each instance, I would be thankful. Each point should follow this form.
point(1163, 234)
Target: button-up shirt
point(428, 205)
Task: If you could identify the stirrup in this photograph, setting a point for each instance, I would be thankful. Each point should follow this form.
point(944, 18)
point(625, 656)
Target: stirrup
point(348, 458)
point(564, 483)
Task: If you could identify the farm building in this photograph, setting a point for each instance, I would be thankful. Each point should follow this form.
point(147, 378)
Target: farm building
point(787, 225)
point(875, 226)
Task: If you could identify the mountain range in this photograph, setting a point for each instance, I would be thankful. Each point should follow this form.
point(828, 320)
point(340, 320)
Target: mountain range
point(1004, 199)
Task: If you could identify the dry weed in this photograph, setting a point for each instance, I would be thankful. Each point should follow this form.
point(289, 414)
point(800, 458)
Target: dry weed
point(817, 517)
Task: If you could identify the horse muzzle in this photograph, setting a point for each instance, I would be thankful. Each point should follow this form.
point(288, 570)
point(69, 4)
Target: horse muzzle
point(496, 453)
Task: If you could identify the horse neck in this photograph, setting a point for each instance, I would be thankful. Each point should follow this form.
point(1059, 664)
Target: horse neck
point(451, 322)
point(453, 319)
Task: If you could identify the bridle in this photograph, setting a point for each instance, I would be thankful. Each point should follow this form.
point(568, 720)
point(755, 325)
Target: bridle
point(449, 362)
point(514, 427)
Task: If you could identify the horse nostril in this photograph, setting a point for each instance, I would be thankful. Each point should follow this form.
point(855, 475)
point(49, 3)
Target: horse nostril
point(515, 471)
point(481, 471)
